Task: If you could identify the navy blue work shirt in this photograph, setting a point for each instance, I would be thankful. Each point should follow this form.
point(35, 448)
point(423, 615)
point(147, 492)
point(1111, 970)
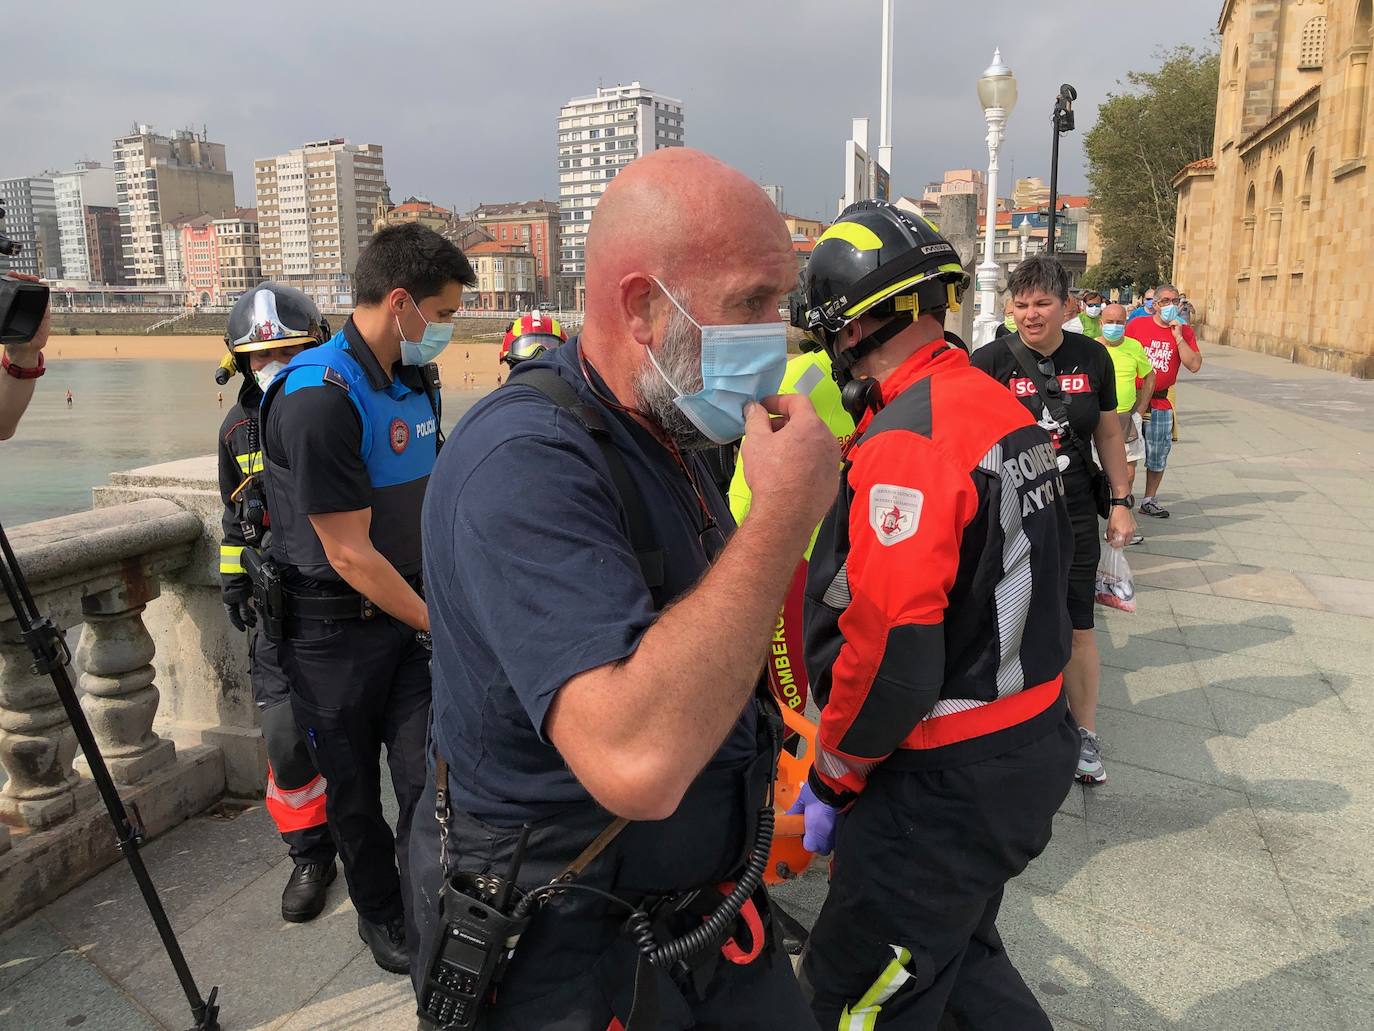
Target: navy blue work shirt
point(531, 579)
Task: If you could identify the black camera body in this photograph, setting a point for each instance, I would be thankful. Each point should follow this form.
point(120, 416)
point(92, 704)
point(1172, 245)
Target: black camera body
point(479, 935)
point(22, 305)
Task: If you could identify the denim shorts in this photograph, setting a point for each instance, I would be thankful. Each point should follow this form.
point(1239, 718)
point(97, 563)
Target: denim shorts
point(1159, 439)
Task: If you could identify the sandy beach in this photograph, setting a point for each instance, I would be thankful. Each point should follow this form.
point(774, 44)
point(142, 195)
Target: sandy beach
point(476, 360)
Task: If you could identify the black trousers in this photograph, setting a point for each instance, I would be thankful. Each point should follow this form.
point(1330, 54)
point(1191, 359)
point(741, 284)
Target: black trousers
point(357, 685)
point(293, 799)
point(574, 969)
point(908, 935)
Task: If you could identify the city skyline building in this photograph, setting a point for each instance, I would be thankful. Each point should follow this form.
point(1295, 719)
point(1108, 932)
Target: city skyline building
point(317, 206)
point(31, 222)
point(598, 135)
point(88, 185)
point(505, 275)
point(775, 195)
point(105, 243)
point(1031, 192)
point(534, 224)
point(240, 256)
point(158, 181)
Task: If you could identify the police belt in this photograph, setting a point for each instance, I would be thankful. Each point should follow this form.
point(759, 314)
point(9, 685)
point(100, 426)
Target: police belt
point(338, 606)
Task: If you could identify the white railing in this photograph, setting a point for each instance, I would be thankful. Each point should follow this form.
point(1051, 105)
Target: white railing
point(167, 322)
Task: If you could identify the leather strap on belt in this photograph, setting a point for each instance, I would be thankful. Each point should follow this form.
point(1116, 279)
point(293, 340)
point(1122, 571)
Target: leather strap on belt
point(574, 869)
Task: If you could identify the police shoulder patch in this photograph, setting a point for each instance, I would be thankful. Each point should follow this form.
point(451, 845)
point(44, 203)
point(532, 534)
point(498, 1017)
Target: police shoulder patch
point(335, 377)
point(894, 512)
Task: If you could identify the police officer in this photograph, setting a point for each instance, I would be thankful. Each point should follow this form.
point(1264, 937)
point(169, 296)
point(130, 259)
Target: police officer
point(936, 633)
point(599, 644)
point(350, 433)
point(268, 326)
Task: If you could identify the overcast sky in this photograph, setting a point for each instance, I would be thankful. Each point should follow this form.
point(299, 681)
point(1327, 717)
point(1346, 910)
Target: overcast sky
point(464, 94)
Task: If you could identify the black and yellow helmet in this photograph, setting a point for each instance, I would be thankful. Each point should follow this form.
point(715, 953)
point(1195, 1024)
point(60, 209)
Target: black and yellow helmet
point(878, 259)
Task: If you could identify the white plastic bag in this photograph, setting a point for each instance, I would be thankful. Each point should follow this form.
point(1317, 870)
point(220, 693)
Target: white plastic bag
point(1115, 588)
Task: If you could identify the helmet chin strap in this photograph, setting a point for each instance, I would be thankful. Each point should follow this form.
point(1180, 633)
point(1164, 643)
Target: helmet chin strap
point(844, 361)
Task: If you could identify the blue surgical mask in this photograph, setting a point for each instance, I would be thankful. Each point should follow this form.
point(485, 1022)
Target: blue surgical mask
point(1093, 310)
point(739, 364)
point(431, 343)
point(1149, 304)
point(1169, 312)
point(1113, 331)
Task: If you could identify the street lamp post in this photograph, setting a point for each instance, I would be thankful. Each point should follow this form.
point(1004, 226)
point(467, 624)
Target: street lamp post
point(997, 94)
point(1063, 122)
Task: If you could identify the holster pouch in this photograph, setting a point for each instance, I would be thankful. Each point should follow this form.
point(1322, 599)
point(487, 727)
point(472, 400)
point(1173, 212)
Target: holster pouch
point(269, 597)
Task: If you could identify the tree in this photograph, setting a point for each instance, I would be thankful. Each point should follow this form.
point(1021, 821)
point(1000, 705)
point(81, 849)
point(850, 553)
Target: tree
point(1142, 138)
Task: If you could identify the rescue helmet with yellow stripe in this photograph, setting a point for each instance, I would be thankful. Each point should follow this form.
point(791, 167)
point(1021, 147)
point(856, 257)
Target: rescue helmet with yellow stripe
point(876, 259)
point(529, 336)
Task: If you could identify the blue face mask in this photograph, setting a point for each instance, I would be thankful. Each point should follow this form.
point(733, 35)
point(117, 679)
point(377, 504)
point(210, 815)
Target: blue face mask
point(1149, 304)
point(1169, 312)
point(739, 364)
point(431, 343)
point(1113, 331)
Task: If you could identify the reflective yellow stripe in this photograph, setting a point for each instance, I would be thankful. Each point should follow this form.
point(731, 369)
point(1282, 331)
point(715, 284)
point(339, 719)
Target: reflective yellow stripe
point(863, 1015)
point(250, 463)
point(230, 559)
point(887, 291)
point(860, 237)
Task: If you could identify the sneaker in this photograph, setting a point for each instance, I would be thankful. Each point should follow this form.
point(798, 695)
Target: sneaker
point(303, 898)
point(1137, 539)
point(1090, 768)
point(1154, 508)
point(387, 940)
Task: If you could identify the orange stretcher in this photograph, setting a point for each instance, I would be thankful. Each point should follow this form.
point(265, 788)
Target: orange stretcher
point(787, 858)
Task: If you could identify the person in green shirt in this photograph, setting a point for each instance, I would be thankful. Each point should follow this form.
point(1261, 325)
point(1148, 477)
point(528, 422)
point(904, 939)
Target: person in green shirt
point(1090, 318)
point(808, 373)
point(1131, 364)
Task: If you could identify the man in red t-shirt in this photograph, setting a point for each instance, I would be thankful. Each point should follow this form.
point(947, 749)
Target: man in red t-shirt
point(1169, 343)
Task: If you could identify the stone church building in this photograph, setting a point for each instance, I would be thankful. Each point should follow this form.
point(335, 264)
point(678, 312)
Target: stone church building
point(1275, 236)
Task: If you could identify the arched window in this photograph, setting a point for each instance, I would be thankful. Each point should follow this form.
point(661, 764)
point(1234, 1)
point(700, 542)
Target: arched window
point(1303, 226)
point(1312, 48)
point(1247, 247)
point(1237, 94)
point(1274, 226)
point(1357, 83)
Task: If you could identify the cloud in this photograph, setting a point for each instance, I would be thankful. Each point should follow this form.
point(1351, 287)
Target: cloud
point(464, 96)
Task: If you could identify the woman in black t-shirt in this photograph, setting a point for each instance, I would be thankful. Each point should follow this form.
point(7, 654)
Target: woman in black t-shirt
point(1039, 288)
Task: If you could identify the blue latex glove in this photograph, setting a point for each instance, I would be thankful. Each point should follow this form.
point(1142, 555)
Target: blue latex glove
point(820, 821)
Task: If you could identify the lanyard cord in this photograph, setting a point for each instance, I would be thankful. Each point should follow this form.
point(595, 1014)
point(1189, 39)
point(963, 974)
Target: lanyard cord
point(708, 519)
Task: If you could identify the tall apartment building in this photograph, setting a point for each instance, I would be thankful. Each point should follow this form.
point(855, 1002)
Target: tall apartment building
point(597, 136)
point(105, 246)
point(31, 221)
point(1030, 193)
point(88, 185)
point(775, 195)
point(534, 225)
point(240, 257)
point(159, 180)
point(316, 208)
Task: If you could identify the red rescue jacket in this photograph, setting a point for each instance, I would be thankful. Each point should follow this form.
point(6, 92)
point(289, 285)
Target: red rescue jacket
point(936, 620)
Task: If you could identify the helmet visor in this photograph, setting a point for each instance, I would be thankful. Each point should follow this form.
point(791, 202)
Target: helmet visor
point(531, 345)
point(300, 339)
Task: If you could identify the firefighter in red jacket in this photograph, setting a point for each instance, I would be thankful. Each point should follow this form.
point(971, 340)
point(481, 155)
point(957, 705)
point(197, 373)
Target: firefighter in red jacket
point(936, 632)
point(267, 327)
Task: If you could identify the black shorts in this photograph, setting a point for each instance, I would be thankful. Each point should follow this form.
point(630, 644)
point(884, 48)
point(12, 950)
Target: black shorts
point(1087, 549)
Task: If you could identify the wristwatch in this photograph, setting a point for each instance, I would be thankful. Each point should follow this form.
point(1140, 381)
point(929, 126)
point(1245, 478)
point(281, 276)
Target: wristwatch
point(1127, 502)
point(19, 372)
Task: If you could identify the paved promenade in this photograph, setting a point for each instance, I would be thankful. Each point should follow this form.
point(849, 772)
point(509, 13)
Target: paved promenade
point(1222, 879)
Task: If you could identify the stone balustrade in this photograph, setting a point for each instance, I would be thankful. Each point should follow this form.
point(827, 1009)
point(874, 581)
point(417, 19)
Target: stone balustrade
point(161, 674)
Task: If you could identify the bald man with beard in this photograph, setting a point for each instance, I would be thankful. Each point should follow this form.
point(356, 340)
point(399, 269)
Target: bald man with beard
point(583, 674)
